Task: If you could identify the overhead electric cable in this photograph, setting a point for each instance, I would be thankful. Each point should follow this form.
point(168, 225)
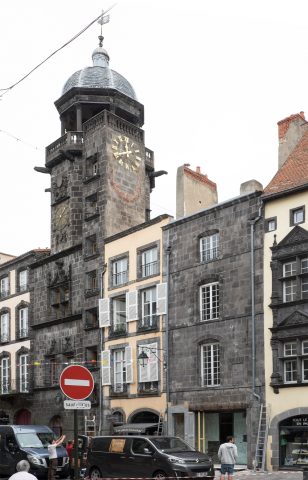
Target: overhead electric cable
point(6, 90)
point(21, 141)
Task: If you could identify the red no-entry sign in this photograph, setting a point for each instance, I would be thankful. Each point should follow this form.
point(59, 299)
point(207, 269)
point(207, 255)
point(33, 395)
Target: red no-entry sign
point(76, 382)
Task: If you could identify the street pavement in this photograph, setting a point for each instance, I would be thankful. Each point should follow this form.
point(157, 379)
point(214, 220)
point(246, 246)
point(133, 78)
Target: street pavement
point(251, 475)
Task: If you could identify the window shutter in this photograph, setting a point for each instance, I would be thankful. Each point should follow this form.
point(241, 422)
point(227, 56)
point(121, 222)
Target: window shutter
point(106, 367)
point(189, 428)
point(161, 292)
point(104, 312)
point(131, 306)
point(129, 364)
point(153, 362)
point(143, 370)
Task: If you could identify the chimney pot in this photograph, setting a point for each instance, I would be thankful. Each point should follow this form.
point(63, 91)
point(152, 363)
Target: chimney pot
point(198, 170)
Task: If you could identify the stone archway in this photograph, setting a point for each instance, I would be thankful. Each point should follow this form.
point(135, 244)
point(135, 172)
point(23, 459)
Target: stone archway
point(56, 425)
point(144, 416)
point(22, 417)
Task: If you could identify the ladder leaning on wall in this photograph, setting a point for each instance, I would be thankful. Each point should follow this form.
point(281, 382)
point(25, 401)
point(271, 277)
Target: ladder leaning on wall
point(260, 456)
point(160, 425)
point(89, 426)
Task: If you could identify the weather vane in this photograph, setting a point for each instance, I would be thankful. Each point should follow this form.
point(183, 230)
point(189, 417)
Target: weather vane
point(102, 20)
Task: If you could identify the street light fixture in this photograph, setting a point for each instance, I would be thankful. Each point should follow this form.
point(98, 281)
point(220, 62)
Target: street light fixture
point(143, 357)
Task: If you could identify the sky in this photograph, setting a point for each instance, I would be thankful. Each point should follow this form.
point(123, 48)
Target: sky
point(214, 76)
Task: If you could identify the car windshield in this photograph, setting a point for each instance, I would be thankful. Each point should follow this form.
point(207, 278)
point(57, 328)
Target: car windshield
point(171, 445)
point(35, 439)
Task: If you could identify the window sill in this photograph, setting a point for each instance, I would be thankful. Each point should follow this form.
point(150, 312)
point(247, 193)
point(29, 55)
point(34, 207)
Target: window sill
point(91, 292)
point(90, 257)
point(90, 178)
point(91, 217)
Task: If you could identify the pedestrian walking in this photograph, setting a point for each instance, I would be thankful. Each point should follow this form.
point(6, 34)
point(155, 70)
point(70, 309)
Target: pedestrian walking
point(22, 468)
point(53, 457)
point(227, 455)
point(69, 449)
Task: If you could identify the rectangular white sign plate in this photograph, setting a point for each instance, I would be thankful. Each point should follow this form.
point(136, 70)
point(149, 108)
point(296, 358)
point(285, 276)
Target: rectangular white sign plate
point(77, 404)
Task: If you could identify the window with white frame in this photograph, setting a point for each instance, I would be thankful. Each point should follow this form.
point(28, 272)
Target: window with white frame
point(119, 314)
point(5, 327)
point(23, 322)
point(295, 280)
point(119, 272)
point(148, 302)
point(209, 301)
point(290, 362)
point(210, 365)
point(209, 247)
point(4, 287)
point(119, 370)
point(24, 372)
point(5, 375)
point(23, 280)
point(149, 262)
point(297, 215)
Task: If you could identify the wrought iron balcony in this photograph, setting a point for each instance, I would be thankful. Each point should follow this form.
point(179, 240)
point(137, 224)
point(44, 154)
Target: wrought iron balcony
point(148, 323)
point(149, 269)
point(15, 387)
point(71, 143)
point(118, 330)
point(23, 333)
point(118, 389)
point(119, 278)
point(148, 388)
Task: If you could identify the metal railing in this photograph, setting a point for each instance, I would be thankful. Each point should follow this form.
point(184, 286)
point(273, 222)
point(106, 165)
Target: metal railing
point(149, 269)
point(119, 278)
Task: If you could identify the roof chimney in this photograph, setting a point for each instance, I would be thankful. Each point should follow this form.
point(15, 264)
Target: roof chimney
point(290, 131)
point(198, 169)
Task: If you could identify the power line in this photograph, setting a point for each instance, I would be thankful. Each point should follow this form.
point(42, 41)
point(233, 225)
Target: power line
point(6, 90)
point(40, 149)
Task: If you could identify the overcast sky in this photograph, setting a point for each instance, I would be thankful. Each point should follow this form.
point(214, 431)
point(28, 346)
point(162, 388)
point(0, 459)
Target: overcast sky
point(214, 77)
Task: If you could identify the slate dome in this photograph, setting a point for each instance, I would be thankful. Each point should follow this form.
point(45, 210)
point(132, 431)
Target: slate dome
point(99, 76)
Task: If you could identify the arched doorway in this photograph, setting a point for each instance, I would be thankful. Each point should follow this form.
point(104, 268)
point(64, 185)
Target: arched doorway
point(55, 424)
point(145, 417)
point(22, 417)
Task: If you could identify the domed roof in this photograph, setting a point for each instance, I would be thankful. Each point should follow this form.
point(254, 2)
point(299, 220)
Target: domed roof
point(99, 76)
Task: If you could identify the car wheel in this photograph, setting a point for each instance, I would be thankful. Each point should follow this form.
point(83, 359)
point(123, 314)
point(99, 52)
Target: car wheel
point(160, 475)
point(95, 473)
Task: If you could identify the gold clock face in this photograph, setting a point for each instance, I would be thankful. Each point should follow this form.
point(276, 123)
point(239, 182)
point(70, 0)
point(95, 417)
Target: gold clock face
point(61, 217)
point(126, 152)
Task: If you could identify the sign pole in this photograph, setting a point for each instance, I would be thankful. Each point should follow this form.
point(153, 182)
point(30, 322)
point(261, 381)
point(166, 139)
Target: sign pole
point(75, 445)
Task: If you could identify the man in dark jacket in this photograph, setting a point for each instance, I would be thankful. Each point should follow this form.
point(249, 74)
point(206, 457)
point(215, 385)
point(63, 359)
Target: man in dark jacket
point(227, 455)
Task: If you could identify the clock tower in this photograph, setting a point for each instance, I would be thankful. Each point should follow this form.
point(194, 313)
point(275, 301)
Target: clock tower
point(101, 178)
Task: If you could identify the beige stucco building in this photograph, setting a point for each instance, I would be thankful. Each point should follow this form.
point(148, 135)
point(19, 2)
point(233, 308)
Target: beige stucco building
point(286, 299)
point(132, 315)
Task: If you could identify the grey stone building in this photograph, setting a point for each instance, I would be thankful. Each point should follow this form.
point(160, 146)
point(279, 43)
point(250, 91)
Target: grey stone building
point(16, 340)
point(101, 177)
point(215, 324)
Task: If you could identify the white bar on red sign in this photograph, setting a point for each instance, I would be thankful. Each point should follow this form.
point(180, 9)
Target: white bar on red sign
point(76, 382)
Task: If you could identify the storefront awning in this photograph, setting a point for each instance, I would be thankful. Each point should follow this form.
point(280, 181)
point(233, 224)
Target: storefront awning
point(135, 428)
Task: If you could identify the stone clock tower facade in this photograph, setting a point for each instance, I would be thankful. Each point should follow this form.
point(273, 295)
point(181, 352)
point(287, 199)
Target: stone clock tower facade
point(101, 177)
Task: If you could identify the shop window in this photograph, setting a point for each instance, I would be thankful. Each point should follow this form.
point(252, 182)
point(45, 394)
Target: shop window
point(293, 442)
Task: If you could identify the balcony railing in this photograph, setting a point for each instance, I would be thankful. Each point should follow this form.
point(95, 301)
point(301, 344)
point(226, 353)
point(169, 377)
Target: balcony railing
point(149, 269)
point(150, 388)
point(4, 293)
point(119, 278)
point(71, 141)
point(148, 323)
point(14, 386)
point(118, 330)
point(118, 389)
point(4, 337)
point(23, 333)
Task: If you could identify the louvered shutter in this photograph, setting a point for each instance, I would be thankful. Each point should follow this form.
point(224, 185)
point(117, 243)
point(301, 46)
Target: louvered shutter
point(131, 306)
point(104, 312)
point(106, 367)
point(143, 370)
point(129, 364)
point(189, 428)
point(161, 294)
point(153, 362)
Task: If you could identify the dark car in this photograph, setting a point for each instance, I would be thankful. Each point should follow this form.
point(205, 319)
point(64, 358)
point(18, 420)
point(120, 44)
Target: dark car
point(29, 442)
point(141, 456)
